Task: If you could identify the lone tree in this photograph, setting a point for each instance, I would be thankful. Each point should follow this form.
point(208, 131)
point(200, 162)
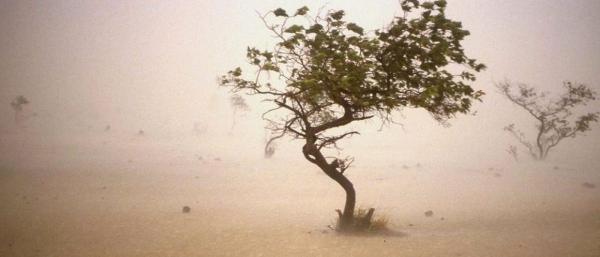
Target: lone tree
point(325, 73)
point(17, 105)
point(552, 116)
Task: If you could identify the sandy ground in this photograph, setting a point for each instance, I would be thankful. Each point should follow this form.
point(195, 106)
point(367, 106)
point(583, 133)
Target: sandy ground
point(97, 199)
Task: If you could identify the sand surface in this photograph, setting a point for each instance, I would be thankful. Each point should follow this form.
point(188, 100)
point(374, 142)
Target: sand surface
point(99, 198)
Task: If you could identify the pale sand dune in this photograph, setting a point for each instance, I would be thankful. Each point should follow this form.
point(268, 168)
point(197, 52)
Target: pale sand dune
point(93, 201)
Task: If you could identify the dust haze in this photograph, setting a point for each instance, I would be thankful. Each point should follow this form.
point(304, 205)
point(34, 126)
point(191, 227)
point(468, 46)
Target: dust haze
point(126, 127)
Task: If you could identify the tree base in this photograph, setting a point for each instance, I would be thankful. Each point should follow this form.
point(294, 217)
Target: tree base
point(362, 222)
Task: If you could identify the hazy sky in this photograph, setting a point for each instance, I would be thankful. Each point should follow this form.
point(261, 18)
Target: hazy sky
point(154, 64)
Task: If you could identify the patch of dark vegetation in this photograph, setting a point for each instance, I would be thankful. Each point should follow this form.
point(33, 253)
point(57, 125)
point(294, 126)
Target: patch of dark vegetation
point(365, 223)
point(588, 185)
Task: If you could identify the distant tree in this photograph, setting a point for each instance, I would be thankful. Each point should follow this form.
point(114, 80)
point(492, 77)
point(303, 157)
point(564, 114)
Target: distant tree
point(238, 104)
point(17, 105)
point(512, 150)
point(325, 73)
point(552, 117)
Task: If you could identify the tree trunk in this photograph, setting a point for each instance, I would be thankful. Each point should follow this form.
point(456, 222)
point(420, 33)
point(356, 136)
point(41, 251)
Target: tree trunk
point(348, 215)
point(347, 218)
point(312, 154)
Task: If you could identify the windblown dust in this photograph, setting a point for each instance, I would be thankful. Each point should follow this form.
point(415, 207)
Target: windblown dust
point(127, 198)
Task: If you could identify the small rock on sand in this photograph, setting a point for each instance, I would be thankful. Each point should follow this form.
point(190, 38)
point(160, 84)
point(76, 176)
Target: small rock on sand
point(429, 213)
point(186, 209)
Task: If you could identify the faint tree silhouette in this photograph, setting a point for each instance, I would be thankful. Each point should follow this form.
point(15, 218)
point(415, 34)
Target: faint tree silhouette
point(552, 117)
point(17, 105)
point(239, 105)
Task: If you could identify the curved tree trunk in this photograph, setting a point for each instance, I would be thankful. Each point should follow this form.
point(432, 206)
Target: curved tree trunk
point(314, 155)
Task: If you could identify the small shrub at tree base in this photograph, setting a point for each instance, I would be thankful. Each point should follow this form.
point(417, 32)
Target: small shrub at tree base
point(364, 221)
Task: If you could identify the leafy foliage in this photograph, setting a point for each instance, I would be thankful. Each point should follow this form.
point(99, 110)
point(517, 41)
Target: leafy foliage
point(552, 117)
point(334, 73)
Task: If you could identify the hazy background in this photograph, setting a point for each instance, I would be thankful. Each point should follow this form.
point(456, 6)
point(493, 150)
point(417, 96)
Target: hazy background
point(69, 187)
point(153, 65)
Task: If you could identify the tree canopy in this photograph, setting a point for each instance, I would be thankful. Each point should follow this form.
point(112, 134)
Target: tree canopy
point(334, 72)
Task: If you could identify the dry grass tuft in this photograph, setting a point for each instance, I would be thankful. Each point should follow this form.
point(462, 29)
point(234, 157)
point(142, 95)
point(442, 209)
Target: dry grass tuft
point(377, 224)
point(381, 223)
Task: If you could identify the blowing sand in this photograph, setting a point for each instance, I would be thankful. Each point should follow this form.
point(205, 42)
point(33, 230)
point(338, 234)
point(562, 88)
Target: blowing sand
point(93, 199)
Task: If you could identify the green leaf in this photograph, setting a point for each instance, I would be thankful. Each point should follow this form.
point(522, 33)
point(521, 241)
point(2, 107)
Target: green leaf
point(336, 24)
point(267, 55)
point(427, 5)
point(237, 72)
point(480, 67)
point(355, 28)
point(337, 15)
point(427, 15)
point(270, 67)
point(302, 11)
point(440, 3)
point(294, 29)
point(280, 12)
point(314, 28)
